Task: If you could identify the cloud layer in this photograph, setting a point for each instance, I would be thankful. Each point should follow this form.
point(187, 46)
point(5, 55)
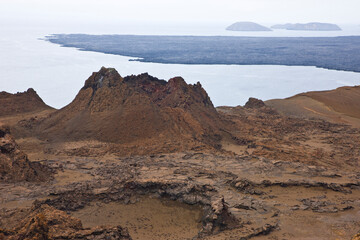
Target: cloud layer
point(263, 11)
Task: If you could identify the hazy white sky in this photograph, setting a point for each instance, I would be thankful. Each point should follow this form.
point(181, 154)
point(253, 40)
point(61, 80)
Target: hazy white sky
point(262, 11)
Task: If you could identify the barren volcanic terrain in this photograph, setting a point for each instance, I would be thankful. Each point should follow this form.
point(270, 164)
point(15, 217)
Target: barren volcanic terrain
point(143, 158)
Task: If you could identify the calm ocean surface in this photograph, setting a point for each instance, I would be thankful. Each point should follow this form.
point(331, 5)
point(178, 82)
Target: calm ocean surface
point(58, 73)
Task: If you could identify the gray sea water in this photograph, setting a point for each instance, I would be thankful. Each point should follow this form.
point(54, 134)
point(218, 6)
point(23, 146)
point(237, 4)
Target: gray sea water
point(58, 73)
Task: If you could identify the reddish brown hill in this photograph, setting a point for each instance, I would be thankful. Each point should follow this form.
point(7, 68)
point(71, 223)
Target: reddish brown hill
point(29, 101)
point(139, 110)
point(343, 100)
point(14, 164)
point(340, 105)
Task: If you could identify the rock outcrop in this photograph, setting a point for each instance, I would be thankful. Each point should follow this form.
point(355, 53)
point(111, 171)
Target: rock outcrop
point(356, 237)
point(254, 103)
point(139, 110)
point(15, 165)
point(45, 222)
point(29, 101)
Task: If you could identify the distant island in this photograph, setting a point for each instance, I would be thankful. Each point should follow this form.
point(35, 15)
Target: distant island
point(313, 26)
point(247, 26)
point(338, 53)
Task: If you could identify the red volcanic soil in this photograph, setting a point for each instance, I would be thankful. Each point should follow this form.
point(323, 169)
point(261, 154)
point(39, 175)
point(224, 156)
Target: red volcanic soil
point(343, 100)
point(340, 105)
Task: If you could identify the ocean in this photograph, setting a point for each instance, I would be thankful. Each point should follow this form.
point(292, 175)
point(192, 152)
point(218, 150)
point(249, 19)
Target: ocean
point(57, 73)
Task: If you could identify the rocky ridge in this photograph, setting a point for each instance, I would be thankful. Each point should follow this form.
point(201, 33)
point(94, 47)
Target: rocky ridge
point(29, 101)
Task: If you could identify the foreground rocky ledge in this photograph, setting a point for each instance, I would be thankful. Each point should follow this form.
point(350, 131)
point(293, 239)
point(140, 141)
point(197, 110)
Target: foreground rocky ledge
point(45, 222)
point(240, 196)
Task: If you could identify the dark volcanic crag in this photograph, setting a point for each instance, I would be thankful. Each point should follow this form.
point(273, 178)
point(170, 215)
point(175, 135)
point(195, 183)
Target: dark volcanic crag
point(29, 101)
point(254, 103)
point(14, 164)
point(137, 110)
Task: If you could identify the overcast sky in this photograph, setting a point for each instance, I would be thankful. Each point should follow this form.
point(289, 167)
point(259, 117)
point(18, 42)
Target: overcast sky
point(262, 11)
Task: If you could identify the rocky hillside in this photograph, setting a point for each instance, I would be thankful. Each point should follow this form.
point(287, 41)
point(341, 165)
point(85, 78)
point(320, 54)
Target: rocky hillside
point(263, 131)
point(139, 110)
point(14, 164)
point(279, 176)
point(29, 101)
